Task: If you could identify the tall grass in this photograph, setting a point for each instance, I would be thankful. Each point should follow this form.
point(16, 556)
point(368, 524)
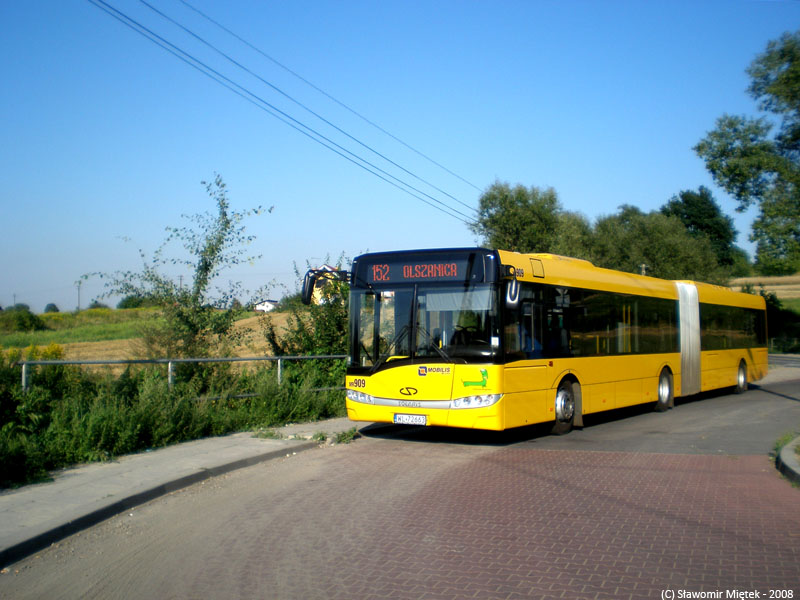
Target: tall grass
point(70, 416)
point(95, 316)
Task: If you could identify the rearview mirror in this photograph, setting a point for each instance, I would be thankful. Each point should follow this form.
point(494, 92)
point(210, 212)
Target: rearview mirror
point(309, 281)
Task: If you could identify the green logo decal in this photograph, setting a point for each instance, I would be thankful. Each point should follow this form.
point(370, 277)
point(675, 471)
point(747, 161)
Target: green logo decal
point(481, 383)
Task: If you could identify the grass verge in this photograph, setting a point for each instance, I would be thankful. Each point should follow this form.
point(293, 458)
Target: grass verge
point(781, 442)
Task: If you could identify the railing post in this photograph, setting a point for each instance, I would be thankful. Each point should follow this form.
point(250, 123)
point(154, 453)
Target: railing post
point(25, 375)
point(280, 365)
point(170, 374)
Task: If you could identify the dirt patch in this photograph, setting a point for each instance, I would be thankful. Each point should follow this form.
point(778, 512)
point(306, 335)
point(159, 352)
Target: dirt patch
point(255, 344)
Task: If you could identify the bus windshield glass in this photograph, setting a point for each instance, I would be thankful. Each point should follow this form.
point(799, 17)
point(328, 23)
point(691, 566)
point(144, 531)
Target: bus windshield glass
point(423, 323)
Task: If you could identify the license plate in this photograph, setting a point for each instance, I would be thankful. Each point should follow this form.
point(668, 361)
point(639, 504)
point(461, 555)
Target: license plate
point(410, 419)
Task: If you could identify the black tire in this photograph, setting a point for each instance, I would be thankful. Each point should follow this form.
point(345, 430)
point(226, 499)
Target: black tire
point(666, 391)
point(564, 408)
point(741, 379)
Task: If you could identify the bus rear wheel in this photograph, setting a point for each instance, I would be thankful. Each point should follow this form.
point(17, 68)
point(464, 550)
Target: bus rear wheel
point(741, 379)
point(565, 408)
point(666, 390)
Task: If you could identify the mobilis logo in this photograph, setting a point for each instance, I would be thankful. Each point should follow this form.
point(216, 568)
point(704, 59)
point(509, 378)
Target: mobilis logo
point(424, 371)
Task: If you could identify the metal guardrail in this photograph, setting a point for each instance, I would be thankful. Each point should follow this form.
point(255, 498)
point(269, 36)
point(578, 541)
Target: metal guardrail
point(170, 362)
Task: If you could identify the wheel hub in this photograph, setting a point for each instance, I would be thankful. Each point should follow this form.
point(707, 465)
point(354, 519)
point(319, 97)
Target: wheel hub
point(565, 405)
point(663, 390)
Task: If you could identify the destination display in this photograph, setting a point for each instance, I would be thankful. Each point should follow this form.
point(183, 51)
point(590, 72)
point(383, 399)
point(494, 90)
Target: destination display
point(395, 269)
point(386, 272)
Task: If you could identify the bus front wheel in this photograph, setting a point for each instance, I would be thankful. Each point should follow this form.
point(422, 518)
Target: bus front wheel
point(666, 390)
point(565, 407)
point(741, 378)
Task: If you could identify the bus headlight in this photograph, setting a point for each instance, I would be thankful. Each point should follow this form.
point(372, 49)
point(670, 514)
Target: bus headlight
point(360, 397)
point(476, 401)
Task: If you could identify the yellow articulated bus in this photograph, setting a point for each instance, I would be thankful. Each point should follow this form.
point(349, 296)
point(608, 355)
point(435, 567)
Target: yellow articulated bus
point(490, 339)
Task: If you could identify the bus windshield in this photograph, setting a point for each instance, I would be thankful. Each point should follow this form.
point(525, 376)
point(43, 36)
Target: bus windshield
point(424, 323)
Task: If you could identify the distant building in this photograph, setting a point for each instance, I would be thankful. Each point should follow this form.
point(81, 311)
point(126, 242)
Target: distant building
point(266, 305)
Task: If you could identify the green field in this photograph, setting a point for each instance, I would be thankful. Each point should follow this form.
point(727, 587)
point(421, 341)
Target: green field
point(92, 325)
point(792, 304)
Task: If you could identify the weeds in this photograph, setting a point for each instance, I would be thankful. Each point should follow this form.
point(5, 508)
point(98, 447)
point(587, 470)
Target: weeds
point(70, 416)
point(782, 441)
point(345, 437)
point(267, 434)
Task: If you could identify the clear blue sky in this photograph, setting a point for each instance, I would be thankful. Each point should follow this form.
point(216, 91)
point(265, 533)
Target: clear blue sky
point(106, 137)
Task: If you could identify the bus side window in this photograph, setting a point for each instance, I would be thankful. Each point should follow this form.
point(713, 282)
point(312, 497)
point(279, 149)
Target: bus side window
point(531, 334)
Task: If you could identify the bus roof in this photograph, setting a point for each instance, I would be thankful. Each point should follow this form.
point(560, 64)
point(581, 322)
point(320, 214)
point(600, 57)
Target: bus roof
point(553, 269)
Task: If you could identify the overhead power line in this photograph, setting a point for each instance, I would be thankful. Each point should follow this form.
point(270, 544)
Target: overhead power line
point(327, 95)
point(275, 112)
point(297, 102)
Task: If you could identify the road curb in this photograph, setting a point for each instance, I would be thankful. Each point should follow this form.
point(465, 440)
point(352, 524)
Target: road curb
point(24, 549)
point(787, 462)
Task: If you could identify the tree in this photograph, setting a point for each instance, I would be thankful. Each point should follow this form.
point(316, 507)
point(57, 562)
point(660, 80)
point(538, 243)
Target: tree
point(529, 220)
point(196, 320)
point(630, 239)
point(758, 166)
point(575, 236)
point(702, 216)
point(51, 308)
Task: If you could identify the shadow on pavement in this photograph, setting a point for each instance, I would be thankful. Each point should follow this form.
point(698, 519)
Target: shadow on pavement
point(527, 434)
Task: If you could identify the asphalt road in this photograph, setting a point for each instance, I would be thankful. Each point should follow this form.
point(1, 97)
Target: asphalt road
point(712, 423)
point(634, 505)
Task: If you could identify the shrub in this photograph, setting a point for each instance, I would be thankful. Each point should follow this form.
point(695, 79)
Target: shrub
point(316, 329)
point(195, 320)
point(20, 318)
point(136, 301)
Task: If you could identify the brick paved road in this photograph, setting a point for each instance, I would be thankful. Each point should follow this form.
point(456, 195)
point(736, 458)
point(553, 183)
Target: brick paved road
point(524, 523)
point(444, 519)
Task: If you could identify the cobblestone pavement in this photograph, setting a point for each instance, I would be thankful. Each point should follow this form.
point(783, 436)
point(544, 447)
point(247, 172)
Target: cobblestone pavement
point(415, 515)
point(386, 518)
point(522, 523)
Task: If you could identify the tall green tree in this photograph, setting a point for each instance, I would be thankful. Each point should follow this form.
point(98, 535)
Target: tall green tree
point(758, 163)
point(529, 220)
point(702, 216)
point(533, 220)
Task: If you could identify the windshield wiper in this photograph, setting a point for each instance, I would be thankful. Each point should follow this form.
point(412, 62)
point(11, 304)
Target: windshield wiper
point(396, 340)
point(432, 343)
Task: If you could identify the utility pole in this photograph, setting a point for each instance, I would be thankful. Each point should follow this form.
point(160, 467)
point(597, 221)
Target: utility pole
point(78, 284)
